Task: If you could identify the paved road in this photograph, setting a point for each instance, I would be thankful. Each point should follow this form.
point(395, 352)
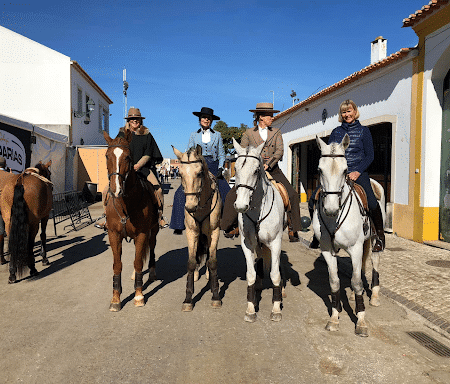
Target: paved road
point(57, 328)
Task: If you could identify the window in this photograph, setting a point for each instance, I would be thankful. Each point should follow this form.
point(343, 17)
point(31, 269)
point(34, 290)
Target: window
point(80, 100)
point(103, 119)
point(87, 106)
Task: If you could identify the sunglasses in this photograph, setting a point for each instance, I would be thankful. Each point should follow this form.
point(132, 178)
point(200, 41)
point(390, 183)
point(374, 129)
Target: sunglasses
point(207, 117)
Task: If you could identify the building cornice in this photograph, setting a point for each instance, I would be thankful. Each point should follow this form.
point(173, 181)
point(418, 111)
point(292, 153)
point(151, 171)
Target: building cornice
point(90, 81)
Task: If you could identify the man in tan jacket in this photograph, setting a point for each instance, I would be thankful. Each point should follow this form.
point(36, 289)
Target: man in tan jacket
point(271, 154)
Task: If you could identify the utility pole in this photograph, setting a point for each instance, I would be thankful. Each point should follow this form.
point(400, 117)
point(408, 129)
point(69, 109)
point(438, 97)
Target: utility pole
point(125, 88)
point(273, 99)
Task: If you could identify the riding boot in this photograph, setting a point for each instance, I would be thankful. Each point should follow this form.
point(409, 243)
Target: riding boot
point(377, 219)
point(234, 232)
point(314, 242)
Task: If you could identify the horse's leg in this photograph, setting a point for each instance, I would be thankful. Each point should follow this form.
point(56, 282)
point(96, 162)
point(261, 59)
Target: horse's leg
point(141, 243)
point(2, 246)
point(44, 222)
point(356, 253)
point(333, 322)
point(375, 256)
point(115, 242)
point(193, 239)
point(275, 276)
point(250, 314)
point(212, 267)
point(152, 260)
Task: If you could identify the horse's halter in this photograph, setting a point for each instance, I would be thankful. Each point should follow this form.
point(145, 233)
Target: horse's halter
point(252, 189)
point(199, 192)
point(325, 193)
point(123, 176)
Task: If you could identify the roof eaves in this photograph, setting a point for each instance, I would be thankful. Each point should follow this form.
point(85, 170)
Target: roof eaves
point(92, 82)
point(422, 13)
point(349, 79)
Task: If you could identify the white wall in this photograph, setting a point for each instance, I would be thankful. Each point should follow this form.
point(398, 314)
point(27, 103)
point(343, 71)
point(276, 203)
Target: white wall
point(90, 133)
point(34, 81)
point(384, 95)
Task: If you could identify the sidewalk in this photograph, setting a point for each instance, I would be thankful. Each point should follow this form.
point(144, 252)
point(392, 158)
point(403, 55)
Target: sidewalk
point(413, 274)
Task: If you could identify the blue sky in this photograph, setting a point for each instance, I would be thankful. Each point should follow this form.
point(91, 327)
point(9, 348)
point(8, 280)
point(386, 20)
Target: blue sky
point(226, 55)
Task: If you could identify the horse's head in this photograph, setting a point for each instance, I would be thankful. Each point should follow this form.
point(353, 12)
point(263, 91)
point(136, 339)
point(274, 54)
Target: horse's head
point(118, 161)
point(193, 171)
point(44, 169)
point(249, 169)
point(332, 173)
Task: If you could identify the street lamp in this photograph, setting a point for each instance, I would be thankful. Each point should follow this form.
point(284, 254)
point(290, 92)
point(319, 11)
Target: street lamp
point(293, 94)
point(90, 106)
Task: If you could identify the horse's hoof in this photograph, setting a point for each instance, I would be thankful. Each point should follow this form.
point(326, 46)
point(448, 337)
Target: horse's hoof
point(332, 326)
point(34, 272)
point(12, 279)
point(3, 262)
point(196, 276)
point(362, 331)
point(216, 303)
point(375, 301)
point(152, 276)
point(187, 307)
point(275, 316)
point(250, 317)
point(283, 293)
point(115, 307)
point(139, 302)
point(45, 262)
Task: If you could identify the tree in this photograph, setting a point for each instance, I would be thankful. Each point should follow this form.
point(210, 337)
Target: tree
point(228, 133)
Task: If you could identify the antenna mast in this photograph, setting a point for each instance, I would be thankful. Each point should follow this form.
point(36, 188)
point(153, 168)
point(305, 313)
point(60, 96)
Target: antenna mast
point(125, 87)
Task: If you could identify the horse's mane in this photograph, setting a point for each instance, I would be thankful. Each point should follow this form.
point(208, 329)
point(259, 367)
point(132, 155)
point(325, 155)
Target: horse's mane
point(43, 170)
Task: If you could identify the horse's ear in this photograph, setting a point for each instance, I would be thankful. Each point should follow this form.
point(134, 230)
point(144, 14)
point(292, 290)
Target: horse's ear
point(345, 141)
point(260, 147)
point(320, 142)
point(177, 153)
point(128, 135)
point(48, 164)
point(107, 137)
point(198, 150)
point(237, 146)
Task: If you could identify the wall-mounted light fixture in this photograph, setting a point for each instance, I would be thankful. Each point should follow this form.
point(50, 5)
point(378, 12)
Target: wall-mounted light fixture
point(90, 106)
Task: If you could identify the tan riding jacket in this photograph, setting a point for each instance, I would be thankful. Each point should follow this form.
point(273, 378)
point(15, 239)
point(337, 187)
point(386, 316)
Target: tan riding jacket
point(272, 151)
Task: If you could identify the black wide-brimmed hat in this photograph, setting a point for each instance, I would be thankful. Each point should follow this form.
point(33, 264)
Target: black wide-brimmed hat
point(207, 111)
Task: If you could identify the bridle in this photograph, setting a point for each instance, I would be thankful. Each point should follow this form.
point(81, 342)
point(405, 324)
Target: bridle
point(198, 194)
point(323, 192)
point(251, 188)
point(123, 176)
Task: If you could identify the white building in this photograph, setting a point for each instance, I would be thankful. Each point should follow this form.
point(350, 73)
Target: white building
point(44, 90)
point(405, 101)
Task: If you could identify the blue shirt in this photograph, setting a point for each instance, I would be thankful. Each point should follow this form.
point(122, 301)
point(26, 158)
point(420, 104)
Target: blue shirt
point(214, 148)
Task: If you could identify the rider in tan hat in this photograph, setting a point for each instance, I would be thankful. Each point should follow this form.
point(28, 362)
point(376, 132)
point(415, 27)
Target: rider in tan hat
point(145, 155)
point(271, 154)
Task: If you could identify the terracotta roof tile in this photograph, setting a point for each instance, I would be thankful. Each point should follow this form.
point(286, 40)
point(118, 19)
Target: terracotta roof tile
point(349, 79)
point(422, 13)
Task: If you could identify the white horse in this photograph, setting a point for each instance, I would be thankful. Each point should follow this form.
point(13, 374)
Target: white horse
point(340, 221)
point(261, 223)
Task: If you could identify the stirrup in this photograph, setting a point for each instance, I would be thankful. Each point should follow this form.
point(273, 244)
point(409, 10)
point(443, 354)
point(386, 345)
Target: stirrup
point(163, 220)
point(379, 245)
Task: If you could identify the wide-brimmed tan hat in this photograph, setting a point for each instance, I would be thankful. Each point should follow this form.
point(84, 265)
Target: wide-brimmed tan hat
point(264, 107)
point(134, 113)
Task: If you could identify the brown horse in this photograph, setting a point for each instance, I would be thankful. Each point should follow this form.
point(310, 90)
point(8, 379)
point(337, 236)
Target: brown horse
point(25, 201)
point(202, 217)
point(131, 211)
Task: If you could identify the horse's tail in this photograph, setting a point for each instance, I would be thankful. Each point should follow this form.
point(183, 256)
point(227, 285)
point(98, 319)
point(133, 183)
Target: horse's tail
point(264, 252)
point(19, 232)
point(202, 248)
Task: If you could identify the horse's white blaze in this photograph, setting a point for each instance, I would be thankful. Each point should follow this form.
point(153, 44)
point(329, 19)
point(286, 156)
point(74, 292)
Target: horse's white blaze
point(117, 152)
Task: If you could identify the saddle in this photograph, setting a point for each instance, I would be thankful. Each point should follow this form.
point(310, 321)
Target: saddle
point(35, 172)
point(283, 192)
point(359, 190)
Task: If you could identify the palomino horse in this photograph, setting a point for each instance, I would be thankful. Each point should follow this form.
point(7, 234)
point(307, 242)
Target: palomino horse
point(131, 211)
point(261, 223)
point(25, 201)
point(201, 218)
point(340, 221)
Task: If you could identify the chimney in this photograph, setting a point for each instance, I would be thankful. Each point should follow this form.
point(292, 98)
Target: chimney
point(377, 50)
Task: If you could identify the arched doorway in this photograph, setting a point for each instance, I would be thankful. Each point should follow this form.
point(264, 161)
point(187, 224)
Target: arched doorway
point(444, 199)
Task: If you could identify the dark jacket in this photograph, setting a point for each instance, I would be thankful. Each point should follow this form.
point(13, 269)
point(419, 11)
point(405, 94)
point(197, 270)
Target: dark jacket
point(359, 153)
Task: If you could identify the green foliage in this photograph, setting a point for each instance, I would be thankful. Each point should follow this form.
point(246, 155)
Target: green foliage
point(228, 133)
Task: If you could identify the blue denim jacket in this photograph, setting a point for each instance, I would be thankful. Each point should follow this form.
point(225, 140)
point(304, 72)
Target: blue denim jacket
point(214, 148)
